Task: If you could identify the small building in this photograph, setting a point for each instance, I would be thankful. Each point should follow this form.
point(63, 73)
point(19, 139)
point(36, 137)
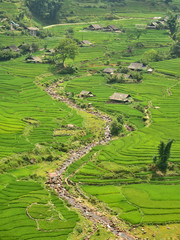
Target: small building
point(153, 25)
point(95, 27)
point(86, 94)
point(33, 31)
point(150, 70)
point(109, 70)
point(34, 60)
point(120, 97)
point(137, 66)
point(85, 43)
point(112, 28)
point(13, 48)
point(50, 51)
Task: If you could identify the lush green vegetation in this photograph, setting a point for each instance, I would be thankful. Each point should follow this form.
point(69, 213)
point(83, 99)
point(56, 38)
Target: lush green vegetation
point(34, 131)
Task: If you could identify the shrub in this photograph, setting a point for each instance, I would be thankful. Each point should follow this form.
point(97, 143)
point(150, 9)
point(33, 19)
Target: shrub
point(8, 54)
point(115, 128)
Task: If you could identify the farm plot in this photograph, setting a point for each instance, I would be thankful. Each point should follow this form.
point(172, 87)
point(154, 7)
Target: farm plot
point(28, 211)
point(139, 147)
point(22, 99)
point(140, 203)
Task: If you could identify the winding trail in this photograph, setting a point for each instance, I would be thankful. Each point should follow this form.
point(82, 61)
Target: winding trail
point(55, 180)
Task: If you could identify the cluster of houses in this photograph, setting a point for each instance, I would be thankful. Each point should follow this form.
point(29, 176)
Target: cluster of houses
point(15, 26)
point(132, 66)
point(115, 98)
point(97, 27)
point(157, 22)
point(119, 97)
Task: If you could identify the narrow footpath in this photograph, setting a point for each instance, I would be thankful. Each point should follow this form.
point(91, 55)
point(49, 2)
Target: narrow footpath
point(55, 180)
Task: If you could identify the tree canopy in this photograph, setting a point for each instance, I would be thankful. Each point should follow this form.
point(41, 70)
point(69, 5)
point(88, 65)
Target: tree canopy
point(67, 48)
point(47, 10)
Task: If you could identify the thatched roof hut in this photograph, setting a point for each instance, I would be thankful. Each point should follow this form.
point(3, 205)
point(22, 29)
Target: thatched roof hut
point(109, 70)
point(33, 30)
point(112, 28)
point(86, 94)
point(34, 59)
point(95, 27)
point(13, 48)
point(137, 66)
point(120, 97)
point(85, 43)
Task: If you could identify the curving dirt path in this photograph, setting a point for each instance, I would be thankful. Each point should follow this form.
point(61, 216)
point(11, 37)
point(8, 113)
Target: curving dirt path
point(55, 180)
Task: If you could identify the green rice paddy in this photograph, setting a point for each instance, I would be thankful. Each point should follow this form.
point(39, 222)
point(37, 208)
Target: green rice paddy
point(28, 211)
point(117, 174)
point(140, 203)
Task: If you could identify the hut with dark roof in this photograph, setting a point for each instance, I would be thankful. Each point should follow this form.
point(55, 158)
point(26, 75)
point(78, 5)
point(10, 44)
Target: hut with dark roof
point(112, 28)
point(95, 27)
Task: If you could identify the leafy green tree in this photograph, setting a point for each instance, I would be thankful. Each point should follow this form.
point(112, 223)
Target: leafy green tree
point(67, 48)
point(163, 155)
point(175, 49)
point(172, 23)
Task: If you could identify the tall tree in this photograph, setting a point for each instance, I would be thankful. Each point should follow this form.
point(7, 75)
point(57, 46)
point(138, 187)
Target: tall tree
point(67, 48)
point(163, 155)
point(172, 23)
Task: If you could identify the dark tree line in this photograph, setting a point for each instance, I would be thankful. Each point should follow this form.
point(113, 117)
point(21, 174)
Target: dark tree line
point(46, 10)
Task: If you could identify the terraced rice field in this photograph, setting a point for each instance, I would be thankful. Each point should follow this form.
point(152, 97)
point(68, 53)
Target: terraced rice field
point(30, 117)
point(21, 99)
point(28, 211)
point(140, 203)
point(127, 160)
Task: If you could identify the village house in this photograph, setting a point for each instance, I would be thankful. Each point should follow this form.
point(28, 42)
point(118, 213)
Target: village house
point(34, 59)
point(95, 27)
point(137, 67)
point(109, 70)
point(85, 43)
point(112, 28)
point(33, 31)
point(150, 70)
point(13, 48)
point(153, 25)
point(120, 98)
point(86, 94)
